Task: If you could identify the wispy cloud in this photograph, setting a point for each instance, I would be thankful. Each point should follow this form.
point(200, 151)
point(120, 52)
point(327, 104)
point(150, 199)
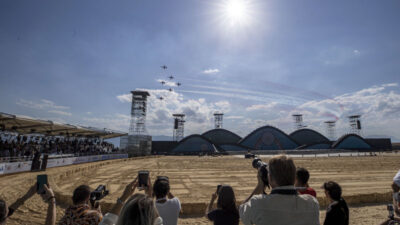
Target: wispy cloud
point(125, 97)
point(59, 112)
point(245, 94)
point(42, 104)
point(45, 105)
point(211, 71)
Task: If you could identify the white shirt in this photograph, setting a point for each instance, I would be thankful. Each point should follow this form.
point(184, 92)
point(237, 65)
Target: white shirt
point(169, 211)
point(280, 209)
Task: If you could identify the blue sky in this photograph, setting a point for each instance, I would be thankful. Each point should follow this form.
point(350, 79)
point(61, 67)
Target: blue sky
point(76, 61)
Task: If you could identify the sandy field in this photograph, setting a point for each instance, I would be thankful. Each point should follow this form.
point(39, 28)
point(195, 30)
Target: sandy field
point(365, 182)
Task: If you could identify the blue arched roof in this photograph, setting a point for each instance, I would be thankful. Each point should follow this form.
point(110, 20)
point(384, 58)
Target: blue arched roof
point(194, 143)
point(233, 147)
point(221, 136)
point(268, 138)
point(326, 145)
point(308, 137)
point(351, 141)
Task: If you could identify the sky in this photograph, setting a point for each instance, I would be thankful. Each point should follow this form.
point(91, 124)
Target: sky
point(257, 61)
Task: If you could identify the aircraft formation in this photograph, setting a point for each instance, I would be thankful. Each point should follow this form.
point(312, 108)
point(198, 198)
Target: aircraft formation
point(171, 78)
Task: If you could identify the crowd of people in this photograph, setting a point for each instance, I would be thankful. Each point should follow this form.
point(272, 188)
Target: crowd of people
point(282, 196)
point(12, 145)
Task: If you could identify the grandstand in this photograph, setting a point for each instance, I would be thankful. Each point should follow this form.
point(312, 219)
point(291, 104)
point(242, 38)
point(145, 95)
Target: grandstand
point(26, 142)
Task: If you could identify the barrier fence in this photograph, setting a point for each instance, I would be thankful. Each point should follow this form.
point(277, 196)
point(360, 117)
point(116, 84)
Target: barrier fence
point(24, 166)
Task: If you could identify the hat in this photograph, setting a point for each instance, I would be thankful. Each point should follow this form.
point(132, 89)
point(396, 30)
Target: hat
point(396, 179)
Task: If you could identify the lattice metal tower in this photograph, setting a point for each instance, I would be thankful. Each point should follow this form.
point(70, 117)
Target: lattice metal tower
point(138, 113)
point(330, 129)
point(218, 116)
point(298, 121)
point(355, 124)
point(179, 121)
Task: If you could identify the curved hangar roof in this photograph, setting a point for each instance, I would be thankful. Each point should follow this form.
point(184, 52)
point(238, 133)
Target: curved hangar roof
point(268, 138)
point(308, 137)
point(193, 144)
point(351, 141)
point(222, 137)
point(26, 125)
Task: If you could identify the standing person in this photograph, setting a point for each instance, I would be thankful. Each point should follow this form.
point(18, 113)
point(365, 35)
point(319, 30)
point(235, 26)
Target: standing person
point(283, 205)
point(301, 184)
point(80, 213)
point(226, 212)
point(396, 193)
point(168, 208)
point(138, 209)
point(337, 212)
point(48, 197)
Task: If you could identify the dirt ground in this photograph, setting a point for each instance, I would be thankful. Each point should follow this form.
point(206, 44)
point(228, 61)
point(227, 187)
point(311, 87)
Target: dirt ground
point(365, 182)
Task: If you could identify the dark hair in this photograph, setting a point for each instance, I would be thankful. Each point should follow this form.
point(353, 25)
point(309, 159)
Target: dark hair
point(138, 210)
point(3, 211)
point(334, 190)
point(161, 188)
point(81, 194)
point(302, 175)
point(226, 200)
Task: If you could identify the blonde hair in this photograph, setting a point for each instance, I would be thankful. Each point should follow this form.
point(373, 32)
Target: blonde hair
point(138, 210)
point(282, 170)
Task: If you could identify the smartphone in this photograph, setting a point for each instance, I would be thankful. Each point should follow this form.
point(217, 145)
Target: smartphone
point(218, 187)
point(41, 180)
point(143, 176)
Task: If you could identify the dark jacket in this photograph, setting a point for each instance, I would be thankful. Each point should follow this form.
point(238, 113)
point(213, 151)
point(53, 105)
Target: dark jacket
point(337, 213)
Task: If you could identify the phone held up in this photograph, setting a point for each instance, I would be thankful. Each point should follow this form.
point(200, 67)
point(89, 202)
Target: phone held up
point(218, 188)
point(143, 177)
point(41, 180)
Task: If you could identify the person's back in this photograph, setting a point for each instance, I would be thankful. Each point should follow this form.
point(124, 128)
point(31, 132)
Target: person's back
point(276, 209)
point(226, 212)
point(81, 213)
point(337, 213)
point(168, 208)
point(284, 205)
point(301, 183)
point(223, 217)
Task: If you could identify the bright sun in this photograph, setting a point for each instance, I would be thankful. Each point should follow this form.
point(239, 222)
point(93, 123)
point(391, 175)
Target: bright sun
point(236, 12)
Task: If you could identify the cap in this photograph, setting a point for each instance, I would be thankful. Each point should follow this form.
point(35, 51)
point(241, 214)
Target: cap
point(396, 179)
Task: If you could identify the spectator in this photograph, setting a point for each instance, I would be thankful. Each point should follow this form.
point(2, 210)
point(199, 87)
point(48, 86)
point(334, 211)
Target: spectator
point(283, 206)
point(48, 197)
point(301, 184)
point(337, 212)
point(168, 209)
point(396, 194)
point(226, 212)
point(80, 213)
point(138, 209)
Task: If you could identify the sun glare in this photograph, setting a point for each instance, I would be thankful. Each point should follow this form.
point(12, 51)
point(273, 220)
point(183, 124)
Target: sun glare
point(236, 12)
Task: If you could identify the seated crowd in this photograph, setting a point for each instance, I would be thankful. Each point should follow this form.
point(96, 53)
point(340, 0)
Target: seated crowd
point(290, 201)
point(27, 146)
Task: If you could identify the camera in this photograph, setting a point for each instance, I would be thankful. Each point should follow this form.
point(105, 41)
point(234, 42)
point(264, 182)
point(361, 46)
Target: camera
point(257, 163)
point(391, 211)
point(98, 194)
point(263, 170)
